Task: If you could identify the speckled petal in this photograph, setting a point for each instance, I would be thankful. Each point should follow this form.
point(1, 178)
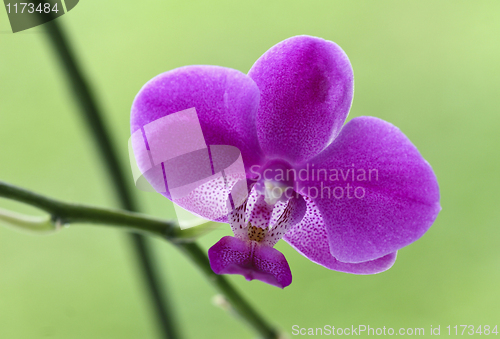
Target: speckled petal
point(260, 214)
point(225, 99)
point(271, 267)
point(234, 256)
point(291, 215)
point(237, 221)
point(389, 201)
point(306, 86)
point(226, 102)
point(309, 239)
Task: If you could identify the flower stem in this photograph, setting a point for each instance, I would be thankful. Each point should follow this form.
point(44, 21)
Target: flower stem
point(93, 116)
point(69, 213)
point(66, 213)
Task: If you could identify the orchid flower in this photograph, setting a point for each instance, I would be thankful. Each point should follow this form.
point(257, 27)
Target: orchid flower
point(347, 197)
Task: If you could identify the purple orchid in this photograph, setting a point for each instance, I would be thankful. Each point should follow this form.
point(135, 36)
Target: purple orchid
point(346, 197)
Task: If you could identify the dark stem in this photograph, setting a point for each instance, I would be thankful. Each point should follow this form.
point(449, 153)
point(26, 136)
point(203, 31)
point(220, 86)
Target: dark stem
point(95, 123)
point(68, 213)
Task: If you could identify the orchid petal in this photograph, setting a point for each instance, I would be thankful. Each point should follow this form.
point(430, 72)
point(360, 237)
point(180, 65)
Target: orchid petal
point(309, 238)
point(238, 220)
point(225, 100)
point(306, 86)
point(260, 214)
point(397, 199)
point(291, 215)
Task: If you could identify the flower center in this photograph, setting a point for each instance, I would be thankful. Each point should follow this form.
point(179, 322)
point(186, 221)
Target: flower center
point(276, 181)
point(273, 192)
point(256, 233)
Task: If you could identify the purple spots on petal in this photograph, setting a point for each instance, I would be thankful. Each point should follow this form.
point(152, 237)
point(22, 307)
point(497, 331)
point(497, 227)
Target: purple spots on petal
point(309, 238)
point(260, 215)
point(233, 256)
point(400, 203)
point(291, 215)
point(306, 85)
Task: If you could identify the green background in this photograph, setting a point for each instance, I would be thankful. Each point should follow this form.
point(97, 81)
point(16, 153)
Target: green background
point(432, 68)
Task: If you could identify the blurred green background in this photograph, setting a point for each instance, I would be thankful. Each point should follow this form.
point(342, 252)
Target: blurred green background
point(431, 68)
